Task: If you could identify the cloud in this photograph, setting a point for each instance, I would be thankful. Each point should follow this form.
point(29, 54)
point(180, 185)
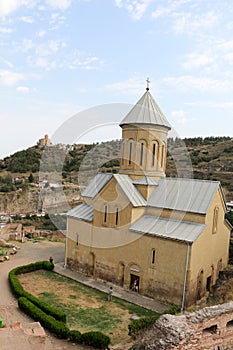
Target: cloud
point(59, 4)
point(9, 6)
point(5, 30)
point(188, 83)
point(135, 8)
point(41, 33)
point(26, 19)
point(197, 60)
point(8, 78)
point(23, 89)
point(84, 61)
point(188, 23)
point(132, 86)
point(180, 117)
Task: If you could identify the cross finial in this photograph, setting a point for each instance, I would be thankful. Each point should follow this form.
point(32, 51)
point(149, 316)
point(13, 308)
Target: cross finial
point(148, 84)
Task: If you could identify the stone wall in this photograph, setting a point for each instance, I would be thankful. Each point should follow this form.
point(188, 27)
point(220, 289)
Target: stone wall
point(208, 329)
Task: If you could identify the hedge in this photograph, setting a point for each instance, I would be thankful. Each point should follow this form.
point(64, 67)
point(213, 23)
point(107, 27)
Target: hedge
point(96, 339)
point(19, 291)
point(58, 328)
point(145, 322)
point(142, 323)
point(49, 317)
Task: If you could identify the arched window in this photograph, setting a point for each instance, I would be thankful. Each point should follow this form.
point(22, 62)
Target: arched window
point(215, 220)
point(163, 155)
point(155, 153)
point(105, 213)
point(153, 257)
point(117, 216)
point(130, 151)
point(141, 153)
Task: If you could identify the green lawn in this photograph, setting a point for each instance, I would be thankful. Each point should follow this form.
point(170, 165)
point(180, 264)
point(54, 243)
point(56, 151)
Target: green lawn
point(86, 308)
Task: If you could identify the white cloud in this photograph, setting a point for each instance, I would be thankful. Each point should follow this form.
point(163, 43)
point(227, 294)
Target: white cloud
point(179, 116)
point(187, 82)
point(8, 78)
point(229, 57)
point(5, 30)
point(9, 6)
point(59, 4)
point(197, 60)
point(23, 89)
point(26, 19)
point(132, 86)
point(41, 33)
point(82, 60)
point(187, 23)
point(135, 8)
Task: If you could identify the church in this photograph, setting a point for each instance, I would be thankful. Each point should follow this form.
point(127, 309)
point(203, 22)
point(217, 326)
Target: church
point(166, 238)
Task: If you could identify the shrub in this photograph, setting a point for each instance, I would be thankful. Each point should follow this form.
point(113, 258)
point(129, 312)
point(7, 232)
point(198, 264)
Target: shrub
point(143, 323)
point(96, 339)
point(75, 336)
point(56, 327)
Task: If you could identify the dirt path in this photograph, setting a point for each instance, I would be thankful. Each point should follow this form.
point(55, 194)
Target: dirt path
point(9, 311)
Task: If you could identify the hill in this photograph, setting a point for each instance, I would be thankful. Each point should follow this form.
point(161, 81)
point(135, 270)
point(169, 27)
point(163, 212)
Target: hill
point(208, 158)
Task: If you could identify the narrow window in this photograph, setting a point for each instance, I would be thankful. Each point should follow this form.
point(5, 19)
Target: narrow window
point(117, 216)
point(153, 154)
point(153, 256)
point(105, 213)
point(130, 152)
point(215, 220)
point(141, 153)
point(77, 239)
point(162, 156)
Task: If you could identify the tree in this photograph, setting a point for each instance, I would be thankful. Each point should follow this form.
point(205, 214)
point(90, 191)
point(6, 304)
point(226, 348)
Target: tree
point(31, 178)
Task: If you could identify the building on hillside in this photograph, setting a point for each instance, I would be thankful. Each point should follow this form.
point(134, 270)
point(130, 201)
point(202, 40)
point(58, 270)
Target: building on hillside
point(167, 236)
point(45, 141)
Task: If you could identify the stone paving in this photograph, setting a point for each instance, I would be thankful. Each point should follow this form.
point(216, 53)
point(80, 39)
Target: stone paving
point(119, 292)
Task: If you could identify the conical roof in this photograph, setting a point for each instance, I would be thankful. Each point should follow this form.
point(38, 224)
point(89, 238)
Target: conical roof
point(146, 111)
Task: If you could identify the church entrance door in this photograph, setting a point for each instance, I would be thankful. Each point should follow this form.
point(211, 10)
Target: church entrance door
point(134, 282)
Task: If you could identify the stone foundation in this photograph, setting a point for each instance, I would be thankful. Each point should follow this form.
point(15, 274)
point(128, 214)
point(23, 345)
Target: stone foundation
point(208, 329)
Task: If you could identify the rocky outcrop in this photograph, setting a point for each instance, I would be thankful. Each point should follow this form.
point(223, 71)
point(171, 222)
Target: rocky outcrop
point(31, 200)
point(209, 328)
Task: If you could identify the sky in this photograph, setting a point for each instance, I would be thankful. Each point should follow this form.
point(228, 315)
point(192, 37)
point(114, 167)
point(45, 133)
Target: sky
point(61, 57)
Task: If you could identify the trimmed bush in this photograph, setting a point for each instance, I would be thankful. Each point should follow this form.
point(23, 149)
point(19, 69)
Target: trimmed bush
point(19, 291)
point(96, 339)
point(75, 336)
point(56, 327)
point(145, 322)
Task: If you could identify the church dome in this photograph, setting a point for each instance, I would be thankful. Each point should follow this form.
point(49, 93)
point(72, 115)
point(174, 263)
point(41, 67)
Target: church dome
point(146, 112)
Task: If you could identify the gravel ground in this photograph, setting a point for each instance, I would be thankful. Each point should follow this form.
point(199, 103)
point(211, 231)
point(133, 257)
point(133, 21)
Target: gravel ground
point(9, 311)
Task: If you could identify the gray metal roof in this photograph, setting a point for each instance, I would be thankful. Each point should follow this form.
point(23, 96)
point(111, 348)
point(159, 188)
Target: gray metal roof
point(146, 111)
point(184, 194)
point(130, 190)
point(82, 211)
point(167, 228)
point(147, 181)
point(96, 185)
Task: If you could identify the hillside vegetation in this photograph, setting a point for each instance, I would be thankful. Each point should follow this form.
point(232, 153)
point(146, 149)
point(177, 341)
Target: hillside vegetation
point(209, 158)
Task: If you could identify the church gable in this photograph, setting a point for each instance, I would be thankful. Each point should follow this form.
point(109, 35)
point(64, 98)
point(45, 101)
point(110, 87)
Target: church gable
point(113, 205)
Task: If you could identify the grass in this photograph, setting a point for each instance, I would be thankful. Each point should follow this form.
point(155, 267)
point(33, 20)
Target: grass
point(87, 309)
